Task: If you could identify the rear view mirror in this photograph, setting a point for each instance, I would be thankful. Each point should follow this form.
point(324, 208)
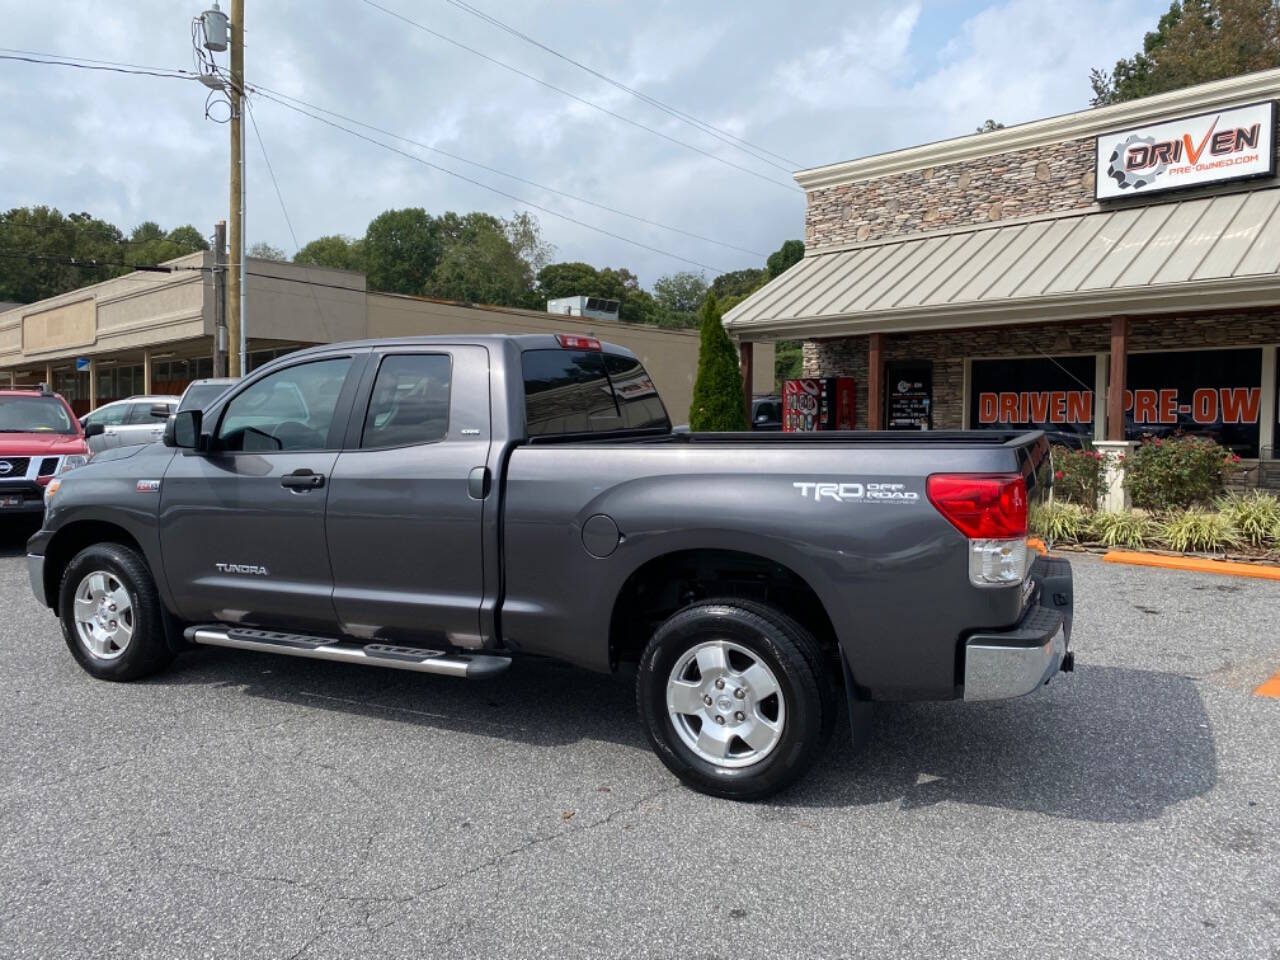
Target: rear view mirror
point(95, 429)
point(183, 430)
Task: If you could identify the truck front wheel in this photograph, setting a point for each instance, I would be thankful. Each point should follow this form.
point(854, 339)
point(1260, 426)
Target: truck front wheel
point(111, 614)
point(734, 698)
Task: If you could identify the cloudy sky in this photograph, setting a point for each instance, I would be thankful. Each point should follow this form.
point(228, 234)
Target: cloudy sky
point(813, 83)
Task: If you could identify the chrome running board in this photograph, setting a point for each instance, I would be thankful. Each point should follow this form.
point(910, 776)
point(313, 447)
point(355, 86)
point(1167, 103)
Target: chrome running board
point(468, 666)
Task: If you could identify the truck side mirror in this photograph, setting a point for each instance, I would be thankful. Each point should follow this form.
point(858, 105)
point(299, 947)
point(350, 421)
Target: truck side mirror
point(95, 428)
point(183, 430)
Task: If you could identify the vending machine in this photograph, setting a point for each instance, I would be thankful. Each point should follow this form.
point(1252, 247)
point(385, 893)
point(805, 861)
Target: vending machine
point(825, 403)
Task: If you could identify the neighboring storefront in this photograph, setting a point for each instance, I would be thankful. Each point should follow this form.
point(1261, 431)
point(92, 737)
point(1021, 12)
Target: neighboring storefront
point(1103, 275)
point(153, 332)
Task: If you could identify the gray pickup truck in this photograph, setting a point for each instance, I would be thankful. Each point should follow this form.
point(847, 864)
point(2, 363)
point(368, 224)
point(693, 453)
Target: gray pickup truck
point(448, 505)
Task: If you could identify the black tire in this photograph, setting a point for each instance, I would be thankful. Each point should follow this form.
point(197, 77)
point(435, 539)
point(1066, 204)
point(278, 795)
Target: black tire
point(797, 663)
point(147, 650)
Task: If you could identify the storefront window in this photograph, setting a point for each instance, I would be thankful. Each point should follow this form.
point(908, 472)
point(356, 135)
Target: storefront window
point(1054, 394)
point(1209, 393)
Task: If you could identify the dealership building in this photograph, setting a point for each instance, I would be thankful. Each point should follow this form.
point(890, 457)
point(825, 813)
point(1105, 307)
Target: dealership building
point(1104, 274)
point(153, 331)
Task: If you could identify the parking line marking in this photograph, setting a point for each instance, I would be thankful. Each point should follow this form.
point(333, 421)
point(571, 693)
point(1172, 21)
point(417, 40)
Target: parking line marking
point(1193, 564)
point(1270, 687)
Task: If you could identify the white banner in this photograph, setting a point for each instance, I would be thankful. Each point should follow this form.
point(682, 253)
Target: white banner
point(1188, 152)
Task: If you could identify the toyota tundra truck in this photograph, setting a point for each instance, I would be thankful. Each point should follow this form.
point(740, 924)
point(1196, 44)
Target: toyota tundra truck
point(452, 505)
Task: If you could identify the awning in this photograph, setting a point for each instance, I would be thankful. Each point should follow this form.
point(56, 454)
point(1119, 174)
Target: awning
point(1214, 253)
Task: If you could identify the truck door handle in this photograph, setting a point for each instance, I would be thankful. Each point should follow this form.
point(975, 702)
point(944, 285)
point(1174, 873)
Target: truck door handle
point(302, 479)
point(478, 483)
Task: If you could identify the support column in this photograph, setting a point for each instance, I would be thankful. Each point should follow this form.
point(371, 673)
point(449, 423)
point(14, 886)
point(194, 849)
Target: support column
point(146, 370)
point(93, 384)
point(1099, 397)
point(48, 374)
point(1116, 387)
point(875, 382)
point(746, 356)
point(1267, 424)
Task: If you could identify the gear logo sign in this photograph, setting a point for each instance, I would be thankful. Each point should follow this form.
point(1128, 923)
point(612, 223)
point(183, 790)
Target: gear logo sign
point(1128, 180)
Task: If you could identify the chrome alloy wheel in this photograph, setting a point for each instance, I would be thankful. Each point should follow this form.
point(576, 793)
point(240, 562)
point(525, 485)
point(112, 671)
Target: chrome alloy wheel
point(726, 704)
point(103, 615)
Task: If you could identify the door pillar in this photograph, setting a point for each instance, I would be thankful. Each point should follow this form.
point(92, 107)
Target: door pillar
point(875, 382)
point(746, 357)
point(1116, 386)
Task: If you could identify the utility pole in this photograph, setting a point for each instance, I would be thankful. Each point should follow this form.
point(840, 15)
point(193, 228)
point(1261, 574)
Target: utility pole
point(235, 279)
point(220, 338)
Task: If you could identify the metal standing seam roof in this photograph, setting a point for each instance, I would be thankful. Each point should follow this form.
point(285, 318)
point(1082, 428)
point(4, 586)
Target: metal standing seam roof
point(1190, 254)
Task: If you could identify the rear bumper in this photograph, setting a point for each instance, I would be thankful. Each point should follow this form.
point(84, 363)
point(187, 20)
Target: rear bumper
point(1001, 664)
point(1000, 671)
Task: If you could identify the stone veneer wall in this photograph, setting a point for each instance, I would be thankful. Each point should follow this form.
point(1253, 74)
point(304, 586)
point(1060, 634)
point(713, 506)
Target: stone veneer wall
point(1057, 178)
point(847, 356)
point(1053, 179)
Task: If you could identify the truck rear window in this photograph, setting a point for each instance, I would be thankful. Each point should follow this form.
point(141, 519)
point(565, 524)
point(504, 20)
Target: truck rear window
point(586, 391)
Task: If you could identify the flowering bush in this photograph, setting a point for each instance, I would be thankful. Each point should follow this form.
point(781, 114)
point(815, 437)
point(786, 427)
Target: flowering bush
point(1078, 476)
point(1172, 473)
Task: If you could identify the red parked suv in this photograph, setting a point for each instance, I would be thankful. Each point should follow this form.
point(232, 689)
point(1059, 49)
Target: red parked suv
point(40, 438)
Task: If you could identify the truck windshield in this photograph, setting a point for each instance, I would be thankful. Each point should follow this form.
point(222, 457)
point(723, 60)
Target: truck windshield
point(35, 415)
point(586, 391)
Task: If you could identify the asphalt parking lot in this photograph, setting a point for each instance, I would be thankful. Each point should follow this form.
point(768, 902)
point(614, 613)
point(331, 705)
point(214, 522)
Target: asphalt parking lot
point(243, 805)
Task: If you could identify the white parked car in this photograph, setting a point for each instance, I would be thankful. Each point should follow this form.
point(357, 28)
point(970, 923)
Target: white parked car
point(128, 422)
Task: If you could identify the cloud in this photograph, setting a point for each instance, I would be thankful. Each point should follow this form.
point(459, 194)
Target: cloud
point(843, 80)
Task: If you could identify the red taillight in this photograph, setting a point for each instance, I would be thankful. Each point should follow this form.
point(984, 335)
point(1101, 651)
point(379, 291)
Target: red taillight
point(982, 506)
point(571, 342)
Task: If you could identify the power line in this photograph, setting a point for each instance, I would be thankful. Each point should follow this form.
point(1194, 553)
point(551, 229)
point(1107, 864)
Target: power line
point(492, 189)
point(503, 173)
point(585, 102)
point(724, 136)
point(280, 98)
point(139, 71)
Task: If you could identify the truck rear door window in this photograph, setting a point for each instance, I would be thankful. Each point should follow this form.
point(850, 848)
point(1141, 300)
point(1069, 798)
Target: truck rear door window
point(567, 391)
point(410, 402)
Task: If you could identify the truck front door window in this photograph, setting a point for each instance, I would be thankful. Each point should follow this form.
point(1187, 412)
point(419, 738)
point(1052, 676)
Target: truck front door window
point(291, 409)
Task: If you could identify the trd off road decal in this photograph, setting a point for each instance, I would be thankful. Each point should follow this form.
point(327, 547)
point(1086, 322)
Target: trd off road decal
point(877, 492)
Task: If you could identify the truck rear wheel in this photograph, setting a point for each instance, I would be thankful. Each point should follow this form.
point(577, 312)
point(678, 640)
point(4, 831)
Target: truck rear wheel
point(112, 618)
point(734, 698)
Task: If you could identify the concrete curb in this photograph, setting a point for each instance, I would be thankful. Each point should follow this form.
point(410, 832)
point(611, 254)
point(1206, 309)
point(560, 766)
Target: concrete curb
point(1193, 564)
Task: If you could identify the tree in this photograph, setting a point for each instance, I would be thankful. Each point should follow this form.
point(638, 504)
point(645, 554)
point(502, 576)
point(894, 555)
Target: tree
point(737, 283)
point(785, 257)
point(401, 249)
point(718, 402)
point(678, 296)
point(334, 250)
point(187, 238)
point(1194, 42)
point(265, 251)
point(481, 265)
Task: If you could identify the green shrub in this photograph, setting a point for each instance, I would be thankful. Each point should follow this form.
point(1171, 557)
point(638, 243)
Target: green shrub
point(1172, 473)
point(1123, 529)
point(1197, 529)
point(1255, 516)
point(718, 402)
point(1058, 522)
point(1078, 476)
